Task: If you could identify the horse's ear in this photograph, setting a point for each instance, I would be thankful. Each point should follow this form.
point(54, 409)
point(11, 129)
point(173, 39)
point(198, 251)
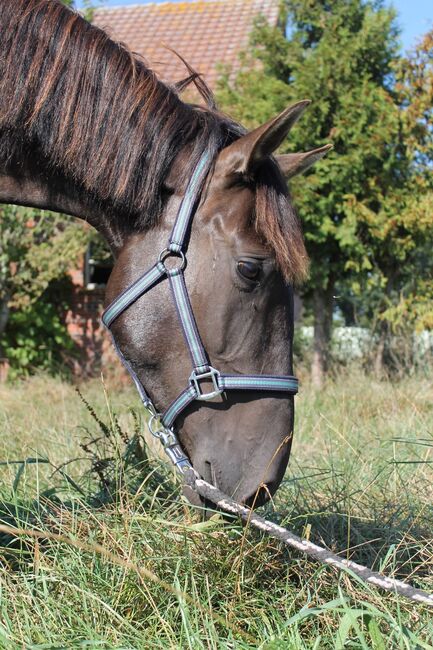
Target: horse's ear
point(297, 163)
point(243, 156)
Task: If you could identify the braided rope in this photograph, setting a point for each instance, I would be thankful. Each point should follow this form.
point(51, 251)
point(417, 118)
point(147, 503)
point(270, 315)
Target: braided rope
point(319, 553)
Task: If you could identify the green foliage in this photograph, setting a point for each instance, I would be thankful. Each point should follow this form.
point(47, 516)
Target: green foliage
point(338, 56)
point(100, 250)
point(397, 228)
point(36, 337)
point(36, 248)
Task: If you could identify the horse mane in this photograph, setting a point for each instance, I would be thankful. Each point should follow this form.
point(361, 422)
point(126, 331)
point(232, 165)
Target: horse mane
point(90, 107)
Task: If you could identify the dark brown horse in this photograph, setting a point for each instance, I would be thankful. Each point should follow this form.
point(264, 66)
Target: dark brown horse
point(87, 129)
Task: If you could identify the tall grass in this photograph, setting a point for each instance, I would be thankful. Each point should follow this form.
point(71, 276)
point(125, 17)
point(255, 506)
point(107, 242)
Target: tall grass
point(129, 564)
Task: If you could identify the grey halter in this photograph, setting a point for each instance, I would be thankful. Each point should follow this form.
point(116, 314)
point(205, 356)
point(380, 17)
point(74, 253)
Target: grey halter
point(161, 425)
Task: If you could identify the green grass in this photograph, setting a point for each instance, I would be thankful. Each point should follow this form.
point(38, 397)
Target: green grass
point(141, 570)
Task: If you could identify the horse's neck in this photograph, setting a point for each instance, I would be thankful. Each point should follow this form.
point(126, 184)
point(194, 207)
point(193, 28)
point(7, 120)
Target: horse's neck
point(20, 185)
point(87, 108)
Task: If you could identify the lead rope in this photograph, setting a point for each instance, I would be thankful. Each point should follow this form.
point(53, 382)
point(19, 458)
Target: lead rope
point(323, 555)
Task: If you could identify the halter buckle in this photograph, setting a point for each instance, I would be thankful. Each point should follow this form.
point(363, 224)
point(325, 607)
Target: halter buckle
point(212, 374)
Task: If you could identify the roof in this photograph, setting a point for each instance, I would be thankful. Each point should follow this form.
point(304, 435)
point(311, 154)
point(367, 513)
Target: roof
point(205, 32)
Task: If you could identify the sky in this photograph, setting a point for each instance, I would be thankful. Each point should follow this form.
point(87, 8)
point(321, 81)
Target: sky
point(415, 17)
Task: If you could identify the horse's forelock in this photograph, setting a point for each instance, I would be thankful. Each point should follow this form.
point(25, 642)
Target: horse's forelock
point(278, 224)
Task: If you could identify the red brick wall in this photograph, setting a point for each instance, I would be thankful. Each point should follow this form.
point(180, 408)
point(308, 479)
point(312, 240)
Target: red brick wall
point(83, 321)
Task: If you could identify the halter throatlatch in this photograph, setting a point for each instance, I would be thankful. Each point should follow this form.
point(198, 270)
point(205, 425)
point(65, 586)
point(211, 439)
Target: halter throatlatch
point(161, 425)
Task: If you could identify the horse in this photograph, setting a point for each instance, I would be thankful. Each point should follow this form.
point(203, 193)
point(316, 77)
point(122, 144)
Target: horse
point(88, 130)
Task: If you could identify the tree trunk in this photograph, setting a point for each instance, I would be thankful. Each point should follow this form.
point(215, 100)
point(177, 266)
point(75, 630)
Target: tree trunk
point(4, 317)
point(378, 356)
point(322, 309)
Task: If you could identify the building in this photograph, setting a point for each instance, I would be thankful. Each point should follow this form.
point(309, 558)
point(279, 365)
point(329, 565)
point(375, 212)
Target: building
point(206, 33)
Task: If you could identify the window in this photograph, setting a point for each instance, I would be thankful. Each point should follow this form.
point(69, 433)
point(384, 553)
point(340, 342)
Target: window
point(98, 263)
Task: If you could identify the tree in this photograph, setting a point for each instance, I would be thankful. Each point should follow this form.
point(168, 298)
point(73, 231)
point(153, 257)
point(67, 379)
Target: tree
point(340, 55)
point(36, 247)
point(397, 228)
point(414, 77)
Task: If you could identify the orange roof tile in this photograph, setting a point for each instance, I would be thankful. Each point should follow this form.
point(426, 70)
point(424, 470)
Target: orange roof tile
point(205, 32)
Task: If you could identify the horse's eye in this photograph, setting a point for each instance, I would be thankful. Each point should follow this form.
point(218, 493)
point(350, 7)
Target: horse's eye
point(249, 270)
point(166, 193)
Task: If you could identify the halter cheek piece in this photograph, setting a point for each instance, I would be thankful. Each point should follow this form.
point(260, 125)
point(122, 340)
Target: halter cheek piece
point(161, 425)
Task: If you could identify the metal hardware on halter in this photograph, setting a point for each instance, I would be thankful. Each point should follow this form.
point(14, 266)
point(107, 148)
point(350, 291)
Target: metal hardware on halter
point(213, 374)
point(166, 253)
point(153, 418)
point(169, 440)
point(161, 424)
point(178, 457)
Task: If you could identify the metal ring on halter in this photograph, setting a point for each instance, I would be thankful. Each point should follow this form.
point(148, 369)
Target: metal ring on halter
point(155, 416)
point(166, 253)
point(166, 436)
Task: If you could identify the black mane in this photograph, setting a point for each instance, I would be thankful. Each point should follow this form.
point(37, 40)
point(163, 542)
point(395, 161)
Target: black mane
point(94, 109)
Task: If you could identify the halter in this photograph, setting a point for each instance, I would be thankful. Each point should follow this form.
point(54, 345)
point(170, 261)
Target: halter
point(161, 425)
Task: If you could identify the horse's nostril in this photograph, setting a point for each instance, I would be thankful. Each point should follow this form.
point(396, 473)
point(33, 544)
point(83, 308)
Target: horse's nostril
point(207, 471)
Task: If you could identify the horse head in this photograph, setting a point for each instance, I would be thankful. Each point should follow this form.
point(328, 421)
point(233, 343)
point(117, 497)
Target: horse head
point(244, 250)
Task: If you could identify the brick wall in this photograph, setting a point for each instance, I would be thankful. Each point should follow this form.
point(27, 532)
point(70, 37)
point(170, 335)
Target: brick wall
point(83, 321)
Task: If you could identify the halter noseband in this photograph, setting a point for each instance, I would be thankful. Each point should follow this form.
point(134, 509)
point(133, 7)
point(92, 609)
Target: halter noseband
point(202, 370)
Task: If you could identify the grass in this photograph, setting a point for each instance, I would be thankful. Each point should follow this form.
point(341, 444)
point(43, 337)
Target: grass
point(136, 567)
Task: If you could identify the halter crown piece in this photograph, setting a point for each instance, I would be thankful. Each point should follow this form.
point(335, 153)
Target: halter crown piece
point(161, 425)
